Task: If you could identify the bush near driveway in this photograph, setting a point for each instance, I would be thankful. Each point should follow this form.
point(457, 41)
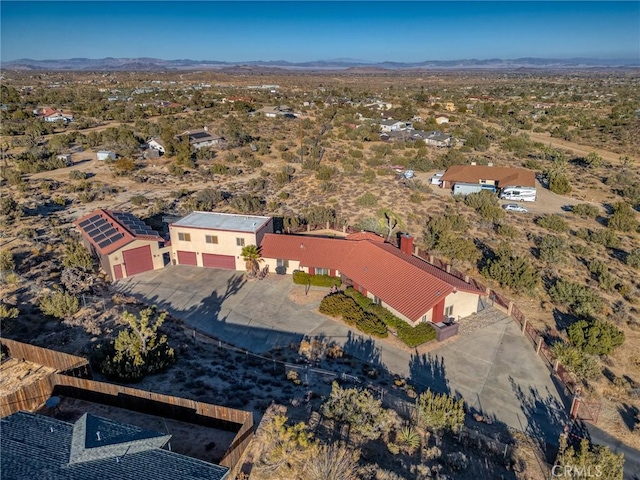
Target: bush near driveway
point(338, 304)
point(303, 278)
point(412, 336)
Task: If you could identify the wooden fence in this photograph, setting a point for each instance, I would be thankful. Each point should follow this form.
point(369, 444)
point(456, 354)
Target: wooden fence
point(59, 361)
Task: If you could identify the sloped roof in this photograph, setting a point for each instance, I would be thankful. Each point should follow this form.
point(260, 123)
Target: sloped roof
point(35, 446)
point(504, 176)
point(109, 231)
point(404, 282)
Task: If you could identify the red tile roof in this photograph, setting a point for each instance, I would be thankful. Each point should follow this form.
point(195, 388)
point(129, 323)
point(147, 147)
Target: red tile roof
point(503, 176)
point(108, 223)
point(404, 282)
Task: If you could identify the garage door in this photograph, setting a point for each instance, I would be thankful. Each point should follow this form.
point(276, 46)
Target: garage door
point(187, 258)
point(138, 260)
point(219, 261)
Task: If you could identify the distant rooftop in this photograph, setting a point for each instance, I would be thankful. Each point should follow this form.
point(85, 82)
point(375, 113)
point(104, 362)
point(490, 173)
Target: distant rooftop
point(223, 221)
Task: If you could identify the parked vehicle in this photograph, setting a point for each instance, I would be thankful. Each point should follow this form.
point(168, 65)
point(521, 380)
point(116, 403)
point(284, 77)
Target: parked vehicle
point(409, 174)
point(522, 194)
point(437, 178)
point(514, 207)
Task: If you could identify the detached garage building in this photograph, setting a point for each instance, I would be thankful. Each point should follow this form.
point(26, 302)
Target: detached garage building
point(123, 243)
point(215, 240)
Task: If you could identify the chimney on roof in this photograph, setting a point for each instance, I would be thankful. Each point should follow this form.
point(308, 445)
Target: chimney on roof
point(490, 164)
point(98, 435)
point(406, 244)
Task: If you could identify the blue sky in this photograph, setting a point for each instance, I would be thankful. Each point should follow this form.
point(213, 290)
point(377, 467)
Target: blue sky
point(304, 31)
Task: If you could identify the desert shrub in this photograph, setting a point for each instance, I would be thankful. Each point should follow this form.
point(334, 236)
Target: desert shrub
point(319, 215)
point(253, 162)
point(552, 249)
point(59, 304)
point(326, 173)
point(332, 462)
point(444, 234)
point(7, 262)
point(593, 160)
point(303, 278)
point(218, 169)
point(339, 304)
point(414, 336)
point(175, 170)
point(559, 184)
point(505, 230)
point(585, 366)
point(336, 304)
point(605, 237)
point(282, 178)
point(8, 312)
point(137, 351)
point(633, 258)
point(440, 412)
point(359, 409)
point(367, 200)
point(623, 218)
point(596, 337)
point(77, 256)
point(208, 198)
point(77, 175)
point(553, 222)
point(486, 204)
point(585, 210)
point(511, 270)
point(10, 210)
point(246, 203)
point(139, 200)
point(123, 166)
point(600, 271)
point(408, 439)
point(599, 460)
point(580, 299)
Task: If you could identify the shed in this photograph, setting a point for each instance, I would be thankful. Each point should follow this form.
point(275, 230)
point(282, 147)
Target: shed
point(106, 155)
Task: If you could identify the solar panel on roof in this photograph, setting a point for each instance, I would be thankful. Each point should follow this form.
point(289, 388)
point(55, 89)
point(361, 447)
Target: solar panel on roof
point(117, 236)
point(110, 232)
point(105, 243)
point(100, 222)
point(94, 218)
point(84, 223)
point(93, 232)
point(102, 236)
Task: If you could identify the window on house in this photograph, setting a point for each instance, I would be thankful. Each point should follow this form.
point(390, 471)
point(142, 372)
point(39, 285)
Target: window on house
point(282, 263)
point(376, 300)
point(184, 237)
point(322, 271)
point(448, 311)
point(424, 319)
point(240, 242)
point(211, 239)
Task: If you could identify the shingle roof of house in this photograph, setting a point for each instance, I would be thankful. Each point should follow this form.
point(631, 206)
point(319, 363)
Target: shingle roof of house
point(109, 231)
point(504, 176)
point(223, 221)
point(34, 446)
point(404, 282)
point(199, 136)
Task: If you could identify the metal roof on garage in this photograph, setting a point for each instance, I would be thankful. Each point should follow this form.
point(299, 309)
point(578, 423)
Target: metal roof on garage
point(223, 221)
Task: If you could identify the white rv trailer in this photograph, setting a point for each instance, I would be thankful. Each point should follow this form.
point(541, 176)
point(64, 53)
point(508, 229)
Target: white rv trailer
point(522, 194)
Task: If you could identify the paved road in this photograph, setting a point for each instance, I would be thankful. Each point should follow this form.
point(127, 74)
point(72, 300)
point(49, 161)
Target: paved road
point(495, 370)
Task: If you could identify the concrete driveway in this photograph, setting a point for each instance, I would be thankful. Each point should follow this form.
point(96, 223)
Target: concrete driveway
point(495, 370)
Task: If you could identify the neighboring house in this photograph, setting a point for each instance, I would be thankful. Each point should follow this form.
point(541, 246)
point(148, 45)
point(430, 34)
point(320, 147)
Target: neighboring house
point(58, 116)
point(124, 244)
point(37, 446)
point(278, 111)
point(440, 119)
point(106, 155)
point(211, 239)
point(438, 139)
point(44, 111)
point(409, 287)
point(499, 177)
point(157, 144)
point(391, 125)
point(450, 107)
point(201, 138)
point(404, 135)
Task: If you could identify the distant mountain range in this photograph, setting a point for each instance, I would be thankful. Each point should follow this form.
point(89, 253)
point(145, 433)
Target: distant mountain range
point(155, 64)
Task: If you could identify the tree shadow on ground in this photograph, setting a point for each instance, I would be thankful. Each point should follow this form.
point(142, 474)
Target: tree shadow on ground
point(428, 371)
point(546, 416)
point(630, 415)
point(364, 349)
